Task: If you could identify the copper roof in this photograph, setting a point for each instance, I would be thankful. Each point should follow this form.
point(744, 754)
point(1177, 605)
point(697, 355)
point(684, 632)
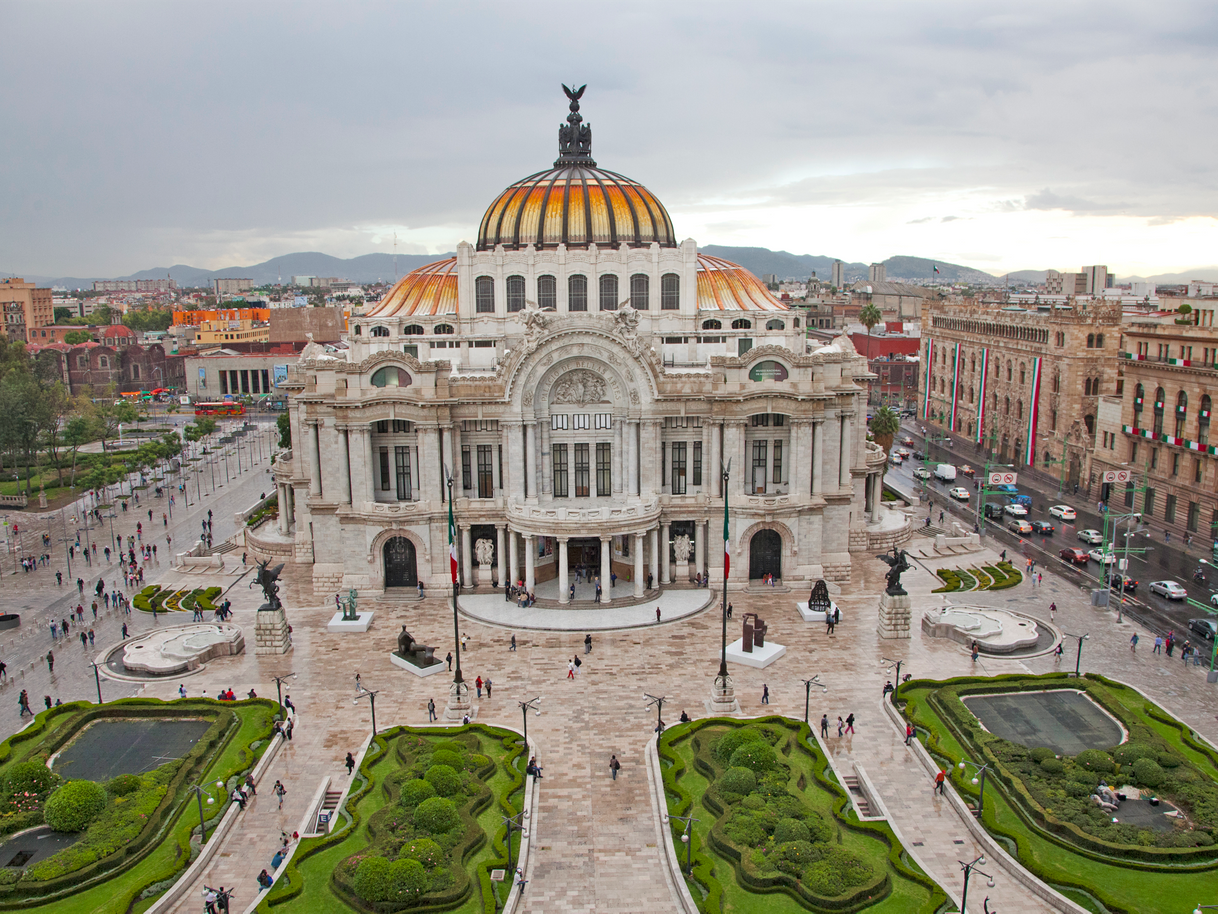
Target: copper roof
point(727, 286)
point(431, 289)
point(576, 205)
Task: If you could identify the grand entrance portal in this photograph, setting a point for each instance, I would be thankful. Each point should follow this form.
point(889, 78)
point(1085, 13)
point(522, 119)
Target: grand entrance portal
point(765, 554)
point(585, 552)
point(400, 565)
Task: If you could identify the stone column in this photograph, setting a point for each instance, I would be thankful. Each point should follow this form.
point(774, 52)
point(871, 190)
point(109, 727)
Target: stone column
point(515, 463)
point(769, 465)
point(530, 562)
point(503, 479)
point(650, 482)
point(344, 468)
point(700, 548)
point(370, 462)
point(546, 473)
point(665, 557)
point(716, 447)
point(314, 430)
point(467, 556)
point(454, 435)
point(818, 457)
point(501, 555)
point(617, 456)
point(655, 555)
point(530, 460)
point(847, 454)
point(707, 463)
point(795, 453)
point(639, 580)
point(563, 585)
point(285, 516)
point(429, 472)
point(632, 457)
point(606, 571)
point(733, 449)
point(513, 556)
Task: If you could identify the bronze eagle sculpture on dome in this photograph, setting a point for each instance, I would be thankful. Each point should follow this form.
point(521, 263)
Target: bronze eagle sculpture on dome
point(574, 137)
point(268, 579)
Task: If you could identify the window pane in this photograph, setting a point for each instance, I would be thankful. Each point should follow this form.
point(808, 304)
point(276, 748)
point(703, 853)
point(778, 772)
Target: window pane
point(759, 465)
point(640, 291)
point(484, 295)
point(577, 293)
point(515, 293)
point(386, 481)
point(547, 293)
point(608, 292)
point(777, 462)
point(670, 293)
point(402, 458)
point(678, 468)
point(486, 474)
point(560, 470)
point(466, 471)
point(582, 476)
point(697, 480)
point(604, 470)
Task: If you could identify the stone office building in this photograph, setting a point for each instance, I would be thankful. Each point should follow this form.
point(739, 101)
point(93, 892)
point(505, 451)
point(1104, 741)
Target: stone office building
point(583, 376)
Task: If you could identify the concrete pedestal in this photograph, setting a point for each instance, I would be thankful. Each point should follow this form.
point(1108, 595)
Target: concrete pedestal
point(723, 701)
point(484, 576)
point(895, 613)
point(419, 670)
point(817, 615)
point(458, 702)
point(759, 658)
point(360, 624)
point(271, 631)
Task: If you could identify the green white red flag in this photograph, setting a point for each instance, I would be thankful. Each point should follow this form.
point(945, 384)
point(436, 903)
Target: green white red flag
point(452, 541)
point(727, 540)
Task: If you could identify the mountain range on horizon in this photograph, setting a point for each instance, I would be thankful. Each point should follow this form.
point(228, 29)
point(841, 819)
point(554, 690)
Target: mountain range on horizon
point(760, 261)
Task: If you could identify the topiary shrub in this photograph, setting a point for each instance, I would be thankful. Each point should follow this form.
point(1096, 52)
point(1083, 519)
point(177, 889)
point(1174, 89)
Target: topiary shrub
point(447, 757)
point(426, 851)
point(1040, 753)
point(729, 742)
point(415, 792)
point(1147, 772)
point(740, 781)
point(437, 815)
point(1131, 752)
point(445, 779)
point(794, 856)
point(1077, 789)
point(1095, 760)
point(791, 830)
point(1053, 766)
point(756, 756)
point(30, 777)
point(752, 801)
point(1168, 760)
point(123, 785)
point(378, 880)
point(77, 803)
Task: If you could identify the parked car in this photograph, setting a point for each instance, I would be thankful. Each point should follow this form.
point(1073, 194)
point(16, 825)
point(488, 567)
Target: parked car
point(1094, 537)
point(1015, 510)
point(1043, 527)
point(1214, 599)
point(1104, 558)
point(1019, 526)
point(1117, 580)
point(960, 493)
point(1206, 628)
point(1169, 589)
point(1077, 556)
point(1063, 512)
point(921, 473)
point(968, 470)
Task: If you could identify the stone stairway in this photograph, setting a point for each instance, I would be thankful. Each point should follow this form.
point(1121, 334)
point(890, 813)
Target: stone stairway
point(856, 794)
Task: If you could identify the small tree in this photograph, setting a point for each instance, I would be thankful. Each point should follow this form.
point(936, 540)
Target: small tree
point(76, 337)
point(885, 423)
point(869, 316)
point(284, 424)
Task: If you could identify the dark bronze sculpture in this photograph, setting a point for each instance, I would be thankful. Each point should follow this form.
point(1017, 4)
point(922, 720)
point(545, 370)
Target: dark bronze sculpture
point(575, 137)
point(268, 579)
point(819, 598)
point(897, 563)
point(413, 651)
point(753, 634)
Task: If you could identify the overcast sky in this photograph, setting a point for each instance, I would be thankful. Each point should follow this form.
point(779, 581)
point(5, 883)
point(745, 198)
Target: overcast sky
point(1002, 136)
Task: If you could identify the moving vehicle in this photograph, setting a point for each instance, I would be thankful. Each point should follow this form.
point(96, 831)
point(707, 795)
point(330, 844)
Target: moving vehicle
point(1104, 558)
point(1130, 585)
point(1005, 489)
point(226, 408)
point(1077, 556)
point(993, 511)
point(1063, 512)
point(921, 473)
point(1019, 526)
point(1169, 589)
point(1094, 537)
point(960, 493)
point(1043, 527)
point(895, 459)
point(968, 471)
point(907, 441)
point(1199, 576)
point(918, 455)
point(903, 451)
point(945, 472)
point(1015, 510)
point(1206, 628)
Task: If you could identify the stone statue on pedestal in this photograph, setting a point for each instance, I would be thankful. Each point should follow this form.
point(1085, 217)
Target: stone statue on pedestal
point(413, 651)
point(897, 563)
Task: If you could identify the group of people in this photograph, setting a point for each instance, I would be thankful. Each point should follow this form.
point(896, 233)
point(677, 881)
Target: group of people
point(844, 727)
point(516, 593)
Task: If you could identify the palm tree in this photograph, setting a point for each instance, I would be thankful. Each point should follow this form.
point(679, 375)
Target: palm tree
point(885, 423)
point(869, 316)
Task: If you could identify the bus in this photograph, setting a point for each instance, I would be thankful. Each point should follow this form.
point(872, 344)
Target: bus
point(226, 408)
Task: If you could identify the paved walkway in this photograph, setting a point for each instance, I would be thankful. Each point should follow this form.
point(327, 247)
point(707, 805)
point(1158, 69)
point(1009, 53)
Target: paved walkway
point(673, 605)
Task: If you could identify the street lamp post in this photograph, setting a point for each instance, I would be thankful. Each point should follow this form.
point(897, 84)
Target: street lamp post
point(808, 683)
point(371, 696)
point(968, 870)
point(687, 839)
point(896, 685)
point(514, 823)
point(200, 792)
point(979, 780)
point(279, 681)
point(533, 704)
point(97, 676)
point(658, 701)
point(1079, 659)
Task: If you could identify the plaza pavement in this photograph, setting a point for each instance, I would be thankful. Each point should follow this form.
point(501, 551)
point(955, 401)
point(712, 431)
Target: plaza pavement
point(594, 840)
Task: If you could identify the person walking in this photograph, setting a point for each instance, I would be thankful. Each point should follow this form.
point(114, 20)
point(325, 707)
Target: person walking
point(350, 763)
point(287, 731)
point(487, 683)
point(850, 723)
point(841, 726)
point(1158, 645)
point(182, 690)
point(614, 766)
point(431, 710)
point(1052, 612)
point(940, 777)
point(909, 733)
point(729, 612)
point(1133, 642)
point(449, 661)
point(765, 694)
point(657, 614)
point(513, 645)
point(478, 686)
point(824, 726)
point(50, 661)
point(570, 669)
point(279, 791)
point(588, 643)
point(23, 704)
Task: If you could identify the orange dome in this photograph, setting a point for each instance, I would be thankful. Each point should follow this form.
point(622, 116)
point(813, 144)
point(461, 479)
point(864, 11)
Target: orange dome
point(431, 289)
point(727, 286)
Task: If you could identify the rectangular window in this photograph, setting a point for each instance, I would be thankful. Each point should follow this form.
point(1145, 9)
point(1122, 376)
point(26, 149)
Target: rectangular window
point(233, 380)
point(401, 456)
point(486, 472)
point(1175, 464)
point(558, 422)
point(762, 420)
point(1148, 503)
point(1169, 509)
point(777, 462)
point(697, 480)
point(1129, 495)
point(582, 475)
point(604, 469)
point(401, 426)
point(581, 421)
point(759, 466)
point(678, 467)
point(266, 380)
point(604, 420)
point(386, 480)
point(223, 375)
point(382, 427)
point(1196, 470)
point(1120, 387)
point(467, 480)
point(577, 293)
point(1194, 516)
point(559, 459)
point(1154, 458)
point(1133, 452)
point(245, 381)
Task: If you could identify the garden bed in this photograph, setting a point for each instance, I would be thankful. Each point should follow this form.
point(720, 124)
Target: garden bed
point(776, 832)
point(1040, 802)
point(166, 599)
point(422, 828)
point(988, 577)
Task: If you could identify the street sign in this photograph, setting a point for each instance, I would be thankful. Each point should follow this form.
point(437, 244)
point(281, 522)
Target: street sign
point(1003, 479)
point(1117, 475)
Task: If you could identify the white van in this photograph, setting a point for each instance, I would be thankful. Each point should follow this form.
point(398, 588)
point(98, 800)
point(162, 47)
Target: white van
point(945, 472)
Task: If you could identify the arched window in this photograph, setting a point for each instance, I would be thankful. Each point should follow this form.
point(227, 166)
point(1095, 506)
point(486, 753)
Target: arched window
point(1019, 409)
point(1006, 406)
point(390, 377)
point(670, 292)
point(712, 325)
point(741, 323)
point(577, 292)
point(412, 330)
point(1181, 413)
point(1089, 421)
point(1139, 400)
point(547, 293)
point(103, 361)
point(1090, 340)
point(515, 293)
point(640, 292)
point(484, 295)
point(608, 292)
point(970, 393)
point(359, 330)
point(1099, 341)
point(379, 330)
point(1010, 373)
point(1023, 373)
point(1086, 387)
point(1203, 421)
point(942, 386)
point(997, 369)
point(443, 329)
point(135, 372)
point(1159, 395)
point(1057, 381)
point(1048, 460)
point(775, 325)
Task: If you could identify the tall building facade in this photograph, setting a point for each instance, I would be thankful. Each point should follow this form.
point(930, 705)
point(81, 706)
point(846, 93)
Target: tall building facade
point(37, 309)
point(575, 382)
point(1024, 383)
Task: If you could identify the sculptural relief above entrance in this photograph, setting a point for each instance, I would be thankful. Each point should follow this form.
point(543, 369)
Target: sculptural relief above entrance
point(580, 387)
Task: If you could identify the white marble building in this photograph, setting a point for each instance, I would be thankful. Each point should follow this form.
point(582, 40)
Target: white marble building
point(584, 377)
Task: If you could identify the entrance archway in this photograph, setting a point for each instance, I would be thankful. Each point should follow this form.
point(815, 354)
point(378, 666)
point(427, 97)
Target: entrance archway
point(765, 554)
point(400, 564)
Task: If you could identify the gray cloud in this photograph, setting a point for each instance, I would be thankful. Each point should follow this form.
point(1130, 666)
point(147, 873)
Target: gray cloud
point(1047, 199)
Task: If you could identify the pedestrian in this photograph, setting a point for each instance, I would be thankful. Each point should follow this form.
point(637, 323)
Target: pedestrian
point(729, 611)
point(824, 726)
point(570, 669)
point(909, 733)
point(850, 723)
point(464, 640)
point(124, 631)
point(90, 637)
point(182, 691)
point(1133, 642)
point(1158, 645)
point(84, 640)
point(279, 791)
point(350, 763)
point(765, 694)
point(614, 766)
point(841, 725)
point(588, 643)
point(449, 661)
point(23, 704)
point(3, 670)
point(975, 650)
point(250, 787)
point(578, 663)
point(940, 777)
point(1040, 579)
point(657, 614)
point(478, 686)
point(431, 710)
point(50, 661)
point(513, 647)
point(1052, 612)
point(287, 731)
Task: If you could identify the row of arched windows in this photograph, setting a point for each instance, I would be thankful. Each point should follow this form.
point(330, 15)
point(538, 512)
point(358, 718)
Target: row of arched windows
point(743, 323)
point(1181, 415)
point(410, 330)
point(608, 293)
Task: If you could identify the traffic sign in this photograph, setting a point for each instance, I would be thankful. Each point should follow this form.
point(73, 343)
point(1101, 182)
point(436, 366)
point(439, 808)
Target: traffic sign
point(1003, 479)
point(1117, 475)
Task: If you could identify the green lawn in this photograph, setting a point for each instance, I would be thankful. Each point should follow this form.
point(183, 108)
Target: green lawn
point(1122, 886)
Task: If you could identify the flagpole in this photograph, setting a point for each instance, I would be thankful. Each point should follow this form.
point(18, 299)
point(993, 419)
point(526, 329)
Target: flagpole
point(723, 695)
point(458, 692)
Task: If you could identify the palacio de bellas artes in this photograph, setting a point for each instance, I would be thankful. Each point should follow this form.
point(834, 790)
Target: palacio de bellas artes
point(587, 389)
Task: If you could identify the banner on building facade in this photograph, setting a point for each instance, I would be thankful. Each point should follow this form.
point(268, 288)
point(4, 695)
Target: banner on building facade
point(1033, 414)
point(985, 372)
point(955, 385)
point(930, 360)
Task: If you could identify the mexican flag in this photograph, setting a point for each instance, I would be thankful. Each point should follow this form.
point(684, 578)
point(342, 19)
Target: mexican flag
point(727, 541)
point(936, 268)
point(452, 541)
